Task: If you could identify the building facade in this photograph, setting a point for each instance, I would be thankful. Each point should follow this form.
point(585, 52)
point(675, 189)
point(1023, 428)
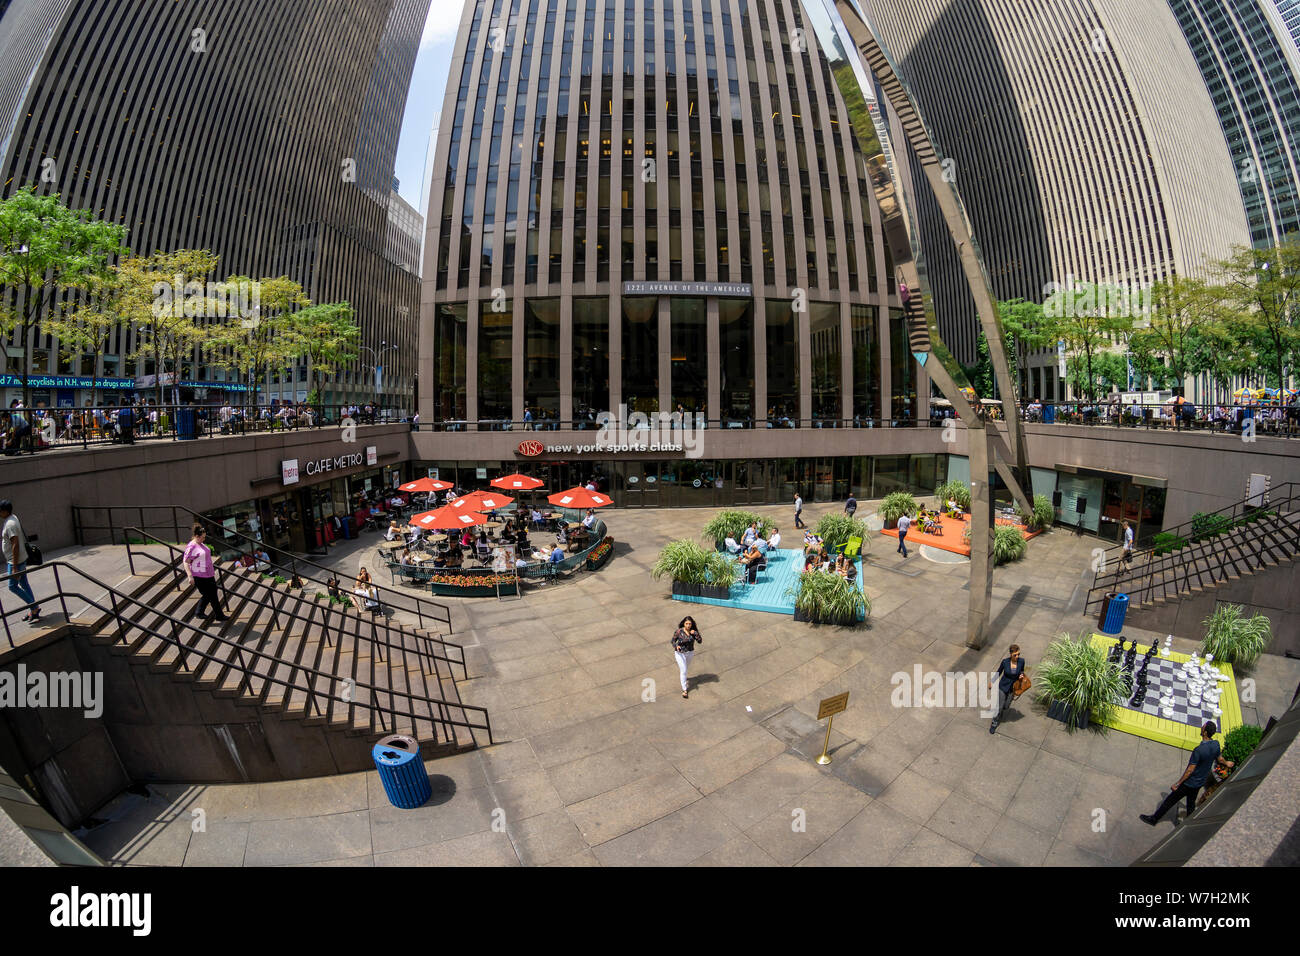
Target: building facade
point(657, 205)
point(1252, 71)
point(265, 132)
point(1084, 143)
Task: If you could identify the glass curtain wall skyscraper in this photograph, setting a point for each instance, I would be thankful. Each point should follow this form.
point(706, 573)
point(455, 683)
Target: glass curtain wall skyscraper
point(1250, 67)
point(653, 203)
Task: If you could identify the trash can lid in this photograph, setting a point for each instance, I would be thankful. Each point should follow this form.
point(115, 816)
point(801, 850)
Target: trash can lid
point(399, 742)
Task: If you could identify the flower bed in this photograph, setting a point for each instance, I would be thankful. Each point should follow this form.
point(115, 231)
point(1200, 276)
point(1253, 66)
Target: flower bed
point(598, 555)
point(471, 585)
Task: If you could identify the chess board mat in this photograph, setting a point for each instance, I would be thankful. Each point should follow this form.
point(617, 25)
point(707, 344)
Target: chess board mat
point(1184, 728)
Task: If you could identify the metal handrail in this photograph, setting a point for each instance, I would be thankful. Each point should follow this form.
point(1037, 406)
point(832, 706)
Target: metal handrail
point(79, 427)
point(1276, 501)
point(1274, 498)
point(437, 613)
point(184, 651)
point(374, 638)
point(589, 424)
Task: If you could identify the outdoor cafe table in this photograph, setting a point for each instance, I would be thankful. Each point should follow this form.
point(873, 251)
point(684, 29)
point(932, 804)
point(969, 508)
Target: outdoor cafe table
point(391, 545)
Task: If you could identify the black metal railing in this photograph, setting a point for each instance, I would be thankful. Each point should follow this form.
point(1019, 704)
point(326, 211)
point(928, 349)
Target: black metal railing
point(257, 668)
point(1272, 419)
point(589, 424)
point(120, 424)
point(454, 655)
point(179, 520)
point(1208, 547)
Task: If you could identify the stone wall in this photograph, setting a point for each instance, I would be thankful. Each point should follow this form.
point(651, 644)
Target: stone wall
point(153, 728)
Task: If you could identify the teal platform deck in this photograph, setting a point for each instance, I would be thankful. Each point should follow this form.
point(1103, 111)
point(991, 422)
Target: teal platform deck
point(769, 593)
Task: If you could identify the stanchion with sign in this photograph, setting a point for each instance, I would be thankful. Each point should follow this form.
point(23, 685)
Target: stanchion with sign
point(827, 711)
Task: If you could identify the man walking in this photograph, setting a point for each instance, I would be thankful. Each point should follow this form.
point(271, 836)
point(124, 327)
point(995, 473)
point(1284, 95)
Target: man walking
point(851, 505)
point(14, 542)
point(1128, 543)
point(904, 522)
point(1194, 777)
point(798, 511)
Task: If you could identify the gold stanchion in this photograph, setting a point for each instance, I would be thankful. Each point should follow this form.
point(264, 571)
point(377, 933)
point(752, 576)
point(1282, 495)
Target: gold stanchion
point(827, 711)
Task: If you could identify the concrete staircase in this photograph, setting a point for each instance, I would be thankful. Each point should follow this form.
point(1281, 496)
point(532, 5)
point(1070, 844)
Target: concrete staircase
point(293, 653)
point(1257, 537)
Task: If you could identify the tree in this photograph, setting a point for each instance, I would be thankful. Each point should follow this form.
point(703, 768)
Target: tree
point(329, 336)
point(268, 340)
point(1108, 370)
point(980, 375)
point(1165, 348)
point(163, 295)
point(1027, 329)
point(1091, 319)
point(88, 326)
point(1262, 288)
point(45, 248)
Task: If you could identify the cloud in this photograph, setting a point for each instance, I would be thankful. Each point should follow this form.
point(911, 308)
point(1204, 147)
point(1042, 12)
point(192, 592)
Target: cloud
point(443, 22)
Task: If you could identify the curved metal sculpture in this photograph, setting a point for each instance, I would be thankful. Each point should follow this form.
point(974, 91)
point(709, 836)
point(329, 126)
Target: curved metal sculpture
point(902, 236)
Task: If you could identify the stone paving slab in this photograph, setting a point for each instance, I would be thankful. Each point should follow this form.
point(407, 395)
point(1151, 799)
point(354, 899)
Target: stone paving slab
point(589, 769)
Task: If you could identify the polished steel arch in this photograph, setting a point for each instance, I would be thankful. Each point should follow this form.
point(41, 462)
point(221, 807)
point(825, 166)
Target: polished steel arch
point(841, 26)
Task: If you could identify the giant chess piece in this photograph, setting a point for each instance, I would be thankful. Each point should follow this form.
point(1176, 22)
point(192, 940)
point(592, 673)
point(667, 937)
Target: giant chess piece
point(1130, 657)
point(1116, 651)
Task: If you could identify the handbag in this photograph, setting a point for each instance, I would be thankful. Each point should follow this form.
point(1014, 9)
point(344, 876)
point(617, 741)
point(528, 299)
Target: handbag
point(34, 557)
point(1022, 684)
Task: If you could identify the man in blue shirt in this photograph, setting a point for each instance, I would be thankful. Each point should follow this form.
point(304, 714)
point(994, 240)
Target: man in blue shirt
point(851, 505)
point(1199, 766)
point(126, 424)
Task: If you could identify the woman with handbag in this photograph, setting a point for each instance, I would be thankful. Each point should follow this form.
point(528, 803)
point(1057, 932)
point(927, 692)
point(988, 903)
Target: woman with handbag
point(1014, 682)
point(684, 640)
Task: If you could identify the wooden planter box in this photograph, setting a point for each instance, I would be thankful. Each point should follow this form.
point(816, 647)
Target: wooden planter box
point(1058, 711)
point(891, 523)
point(701, 590)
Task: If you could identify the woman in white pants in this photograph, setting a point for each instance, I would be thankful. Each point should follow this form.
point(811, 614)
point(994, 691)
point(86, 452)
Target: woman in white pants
point(685, 638)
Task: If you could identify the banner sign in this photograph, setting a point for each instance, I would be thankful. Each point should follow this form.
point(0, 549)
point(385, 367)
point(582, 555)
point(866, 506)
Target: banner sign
point(723, 289)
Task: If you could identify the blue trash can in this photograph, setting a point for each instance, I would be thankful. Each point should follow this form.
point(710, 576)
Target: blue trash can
point(1114, 610)
point(346, 521)
point(1049, 414)
point(401, 771)
point(187, 424)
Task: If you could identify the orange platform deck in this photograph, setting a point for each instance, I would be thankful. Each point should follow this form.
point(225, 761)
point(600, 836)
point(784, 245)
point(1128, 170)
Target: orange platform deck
point(951, 539)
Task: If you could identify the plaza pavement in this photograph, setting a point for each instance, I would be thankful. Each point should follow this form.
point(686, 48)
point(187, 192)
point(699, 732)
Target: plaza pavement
point(587, 772)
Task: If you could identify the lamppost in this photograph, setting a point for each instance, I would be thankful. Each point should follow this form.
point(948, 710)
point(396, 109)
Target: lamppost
point(377, 357)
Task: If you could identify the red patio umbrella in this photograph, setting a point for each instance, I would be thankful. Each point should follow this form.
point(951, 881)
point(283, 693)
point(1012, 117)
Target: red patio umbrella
point(580, 498)
point(448, 517)
point(483, 501)
point(424, 485)
point(516, 482)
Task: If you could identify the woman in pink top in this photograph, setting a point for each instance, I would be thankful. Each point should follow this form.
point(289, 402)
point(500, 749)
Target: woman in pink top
point(199, 568)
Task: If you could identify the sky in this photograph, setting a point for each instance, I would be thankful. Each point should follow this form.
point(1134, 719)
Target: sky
point(428, 86)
